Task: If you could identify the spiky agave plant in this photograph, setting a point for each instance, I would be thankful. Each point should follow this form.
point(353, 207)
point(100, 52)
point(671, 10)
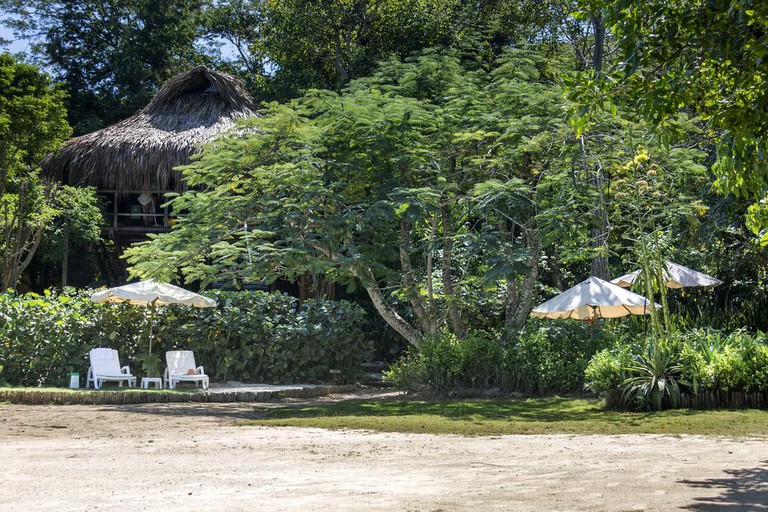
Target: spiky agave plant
point(654, 375)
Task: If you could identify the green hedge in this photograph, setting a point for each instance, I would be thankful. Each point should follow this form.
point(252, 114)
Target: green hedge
point(446, 363)
point(249, 336)
point(571, 356)
point(703, 361)
point(547, 357)
point(551, 356)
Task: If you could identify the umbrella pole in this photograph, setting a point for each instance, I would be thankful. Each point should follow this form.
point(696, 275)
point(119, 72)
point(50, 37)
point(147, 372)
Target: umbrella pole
point(151, 318)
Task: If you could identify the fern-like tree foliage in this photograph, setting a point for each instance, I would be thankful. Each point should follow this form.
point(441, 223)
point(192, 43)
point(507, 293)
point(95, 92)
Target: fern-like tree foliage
point(438, 186)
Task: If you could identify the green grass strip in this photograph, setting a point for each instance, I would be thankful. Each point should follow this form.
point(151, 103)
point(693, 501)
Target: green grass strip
point(486, 417)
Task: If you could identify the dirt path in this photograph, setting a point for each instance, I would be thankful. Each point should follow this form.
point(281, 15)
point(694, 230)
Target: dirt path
point(187, 457)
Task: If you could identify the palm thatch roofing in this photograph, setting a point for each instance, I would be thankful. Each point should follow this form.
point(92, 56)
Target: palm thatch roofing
point(139, 153)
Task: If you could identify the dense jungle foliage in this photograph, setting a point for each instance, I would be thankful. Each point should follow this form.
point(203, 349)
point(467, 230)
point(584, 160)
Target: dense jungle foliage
point(248, 337)
point(450, 164)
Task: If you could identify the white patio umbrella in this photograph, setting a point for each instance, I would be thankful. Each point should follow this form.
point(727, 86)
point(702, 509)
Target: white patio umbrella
point(594, 298)
point(675, 276)
point(151, 293)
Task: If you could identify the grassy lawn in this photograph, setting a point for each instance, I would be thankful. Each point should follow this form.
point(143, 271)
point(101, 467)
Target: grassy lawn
point(484, 417)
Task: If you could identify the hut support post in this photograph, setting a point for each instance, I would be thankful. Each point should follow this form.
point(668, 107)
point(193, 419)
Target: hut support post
point(65, 258)
point(114, 210)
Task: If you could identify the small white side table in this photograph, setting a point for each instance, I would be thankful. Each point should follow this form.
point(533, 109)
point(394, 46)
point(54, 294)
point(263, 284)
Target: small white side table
point(146, 381)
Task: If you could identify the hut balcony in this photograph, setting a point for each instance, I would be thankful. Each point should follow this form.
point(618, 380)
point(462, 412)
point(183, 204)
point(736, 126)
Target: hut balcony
point(134, 213)
point(134, 162)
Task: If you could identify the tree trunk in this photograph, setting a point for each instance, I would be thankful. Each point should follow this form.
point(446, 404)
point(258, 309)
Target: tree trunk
point(430, 264)
point(454, 314)
point(525, 300)
point(387, 312)
point(19, 242)
point(426, 320)
point(65, 258)
point(598, 25)
point(393, 318)
point(520, 297)
point(600, 231)
point(31, 249)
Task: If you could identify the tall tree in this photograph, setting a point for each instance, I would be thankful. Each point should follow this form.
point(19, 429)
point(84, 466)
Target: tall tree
point(112, 55)
point(32, 123)
point(415, 183)
point(233, 27)
point(707, 57)
point(326, 44)
point(437, 188)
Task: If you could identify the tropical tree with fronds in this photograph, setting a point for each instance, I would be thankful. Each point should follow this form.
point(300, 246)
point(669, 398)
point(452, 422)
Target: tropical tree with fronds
point(417, 184)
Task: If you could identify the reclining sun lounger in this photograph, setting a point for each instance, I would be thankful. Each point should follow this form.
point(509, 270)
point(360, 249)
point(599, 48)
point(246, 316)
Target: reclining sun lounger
point(105, 367)
point(181, 368)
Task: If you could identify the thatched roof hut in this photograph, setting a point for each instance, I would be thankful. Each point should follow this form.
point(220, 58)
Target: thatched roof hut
point(140, 152)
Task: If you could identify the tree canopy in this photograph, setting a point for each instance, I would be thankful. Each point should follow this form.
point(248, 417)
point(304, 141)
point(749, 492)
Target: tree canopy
point(32, 123)
point(328, 43)
point(430, 183)
point(707, 58)
point(454, 159)
point(111, 56)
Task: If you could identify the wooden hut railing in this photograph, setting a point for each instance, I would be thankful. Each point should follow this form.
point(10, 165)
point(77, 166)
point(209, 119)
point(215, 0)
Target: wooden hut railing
point(123, 212)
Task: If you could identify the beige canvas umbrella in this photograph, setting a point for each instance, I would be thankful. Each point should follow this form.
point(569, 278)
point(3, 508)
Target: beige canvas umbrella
point(151, 293)
point(675, 276)
point(594, 298)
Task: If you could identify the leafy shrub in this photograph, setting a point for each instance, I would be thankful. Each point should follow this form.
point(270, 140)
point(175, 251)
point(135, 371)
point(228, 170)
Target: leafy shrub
point(441, 363)
point(551, 357)
point(697, 349)
point(742, 366)
point(446, 363)
point(252, 337)
point(407, 372)
point(713, 361)
point(700, 360)
point(607, 369)
point(45, 337)
point(695, 366)
point(547, 357)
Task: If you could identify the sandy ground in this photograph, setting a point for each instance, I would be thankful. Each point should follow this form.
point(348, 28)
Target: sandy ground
point(187, 457)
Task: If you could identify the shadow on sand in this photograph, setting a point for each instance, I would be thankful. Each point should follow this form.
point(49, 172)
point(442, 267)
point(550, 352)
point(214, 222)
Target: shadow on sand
point(232, 411)
point(742, 489)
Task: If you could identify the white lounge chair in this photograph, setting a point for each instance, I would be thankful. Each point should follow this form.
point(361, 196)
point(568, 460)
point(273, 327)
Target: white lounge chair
point(105, 367)
point(181, 368)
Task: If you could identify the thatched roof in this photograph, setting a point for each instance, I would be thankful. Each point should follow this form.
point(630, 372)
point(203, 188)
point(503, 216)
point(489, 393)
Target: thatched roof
point(140, 152)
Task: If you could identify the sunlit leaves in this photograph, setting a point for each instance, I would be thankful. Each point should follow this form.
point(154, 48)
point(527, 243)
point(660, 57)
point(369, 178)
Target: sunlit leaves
point(374, 183)
point(32, 123)
point(702, 57)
